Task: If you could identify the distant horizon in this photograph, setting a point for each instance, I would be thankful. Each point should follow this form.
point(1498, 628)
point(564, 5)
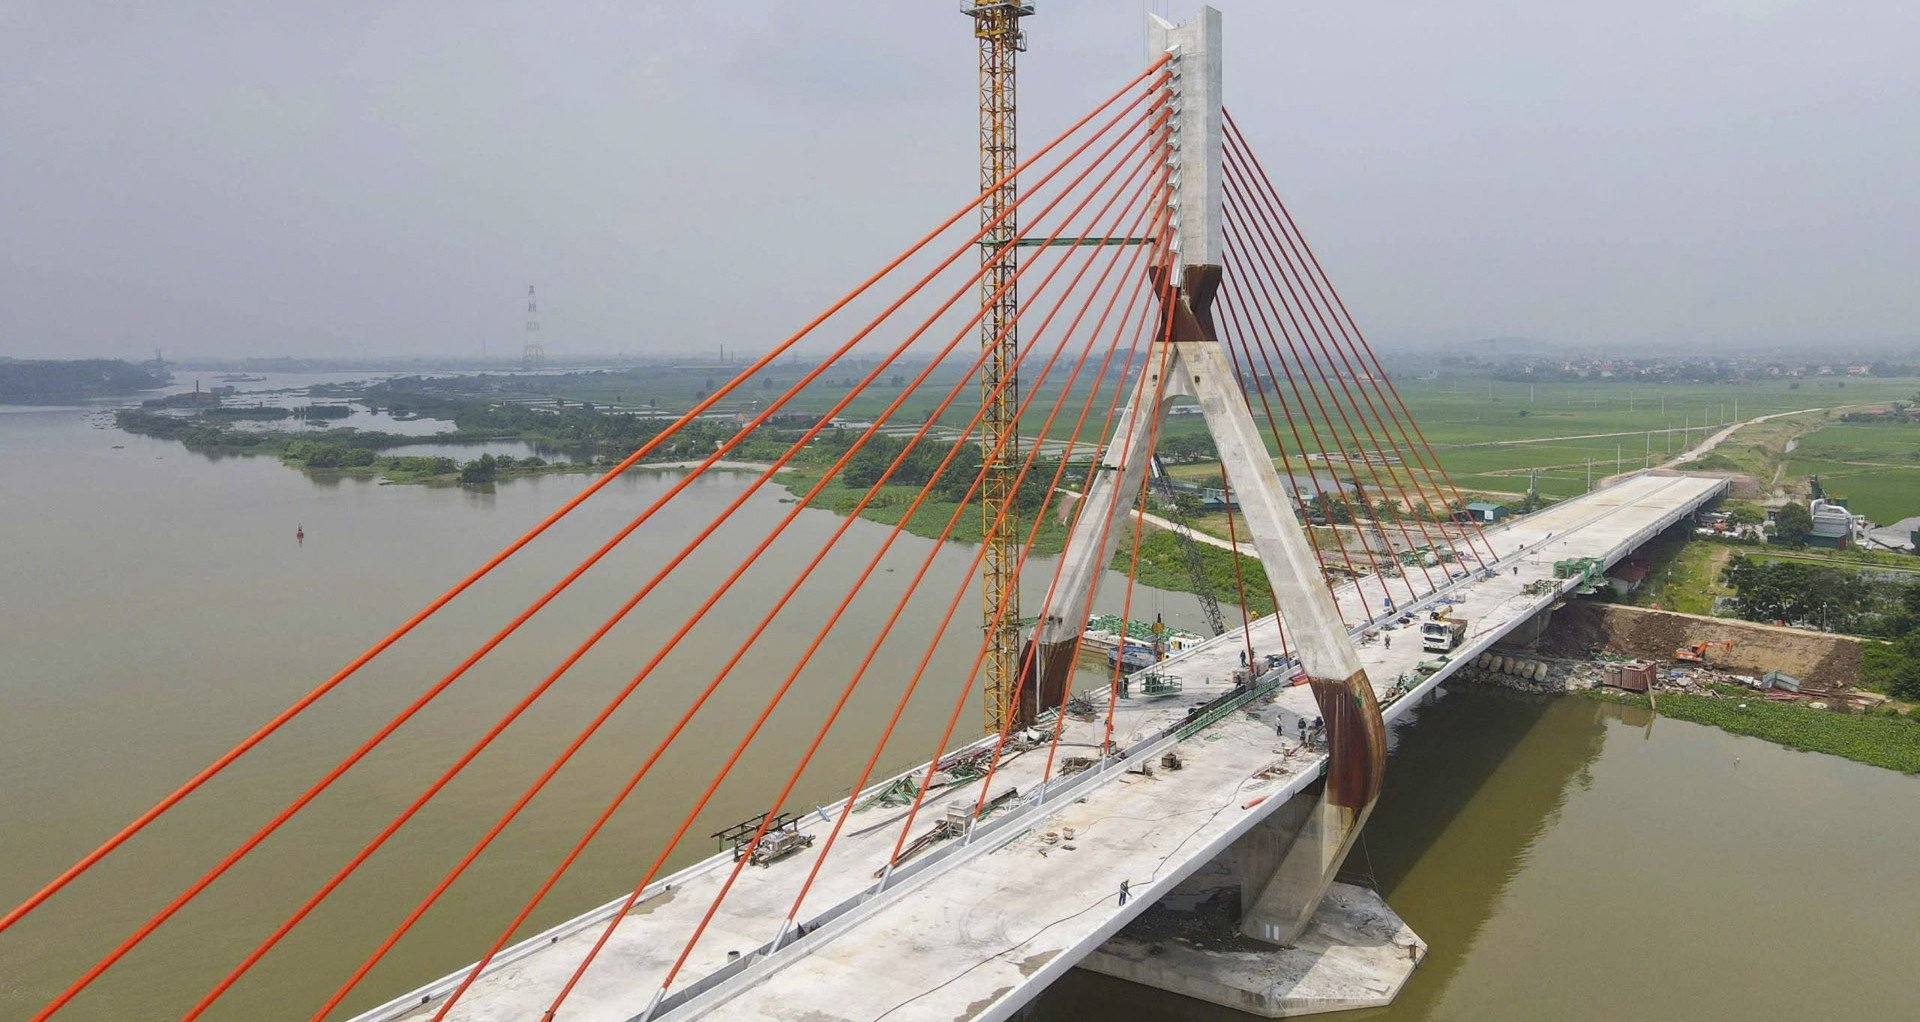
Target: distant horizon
point(1703, 174)
point(1490, 350)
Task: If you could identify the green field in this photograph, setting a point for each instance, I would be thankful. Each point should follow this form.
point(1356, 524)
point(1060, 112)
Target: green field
point(1486, 434)
point(1875, 466)
point(1476, 426)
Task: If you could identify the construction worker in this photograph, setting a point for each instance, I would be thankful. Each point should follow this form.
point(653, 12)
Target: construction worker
point(1124, 892)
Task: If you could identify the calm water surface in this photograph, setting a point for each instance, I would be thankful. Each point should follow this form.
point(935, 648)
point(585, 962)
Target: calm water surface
point(1563, 861)
point(157, 608)
point(1581, 862)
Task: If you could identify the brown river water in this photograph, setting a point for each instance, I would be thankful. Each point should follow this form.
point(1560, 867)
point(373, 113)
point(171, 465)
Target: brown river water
point(1564, 861)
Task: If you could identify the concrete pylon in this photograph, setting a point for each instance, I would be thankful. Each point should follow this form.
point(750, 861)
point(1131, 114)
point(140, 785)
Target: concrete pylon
point(1196, 367)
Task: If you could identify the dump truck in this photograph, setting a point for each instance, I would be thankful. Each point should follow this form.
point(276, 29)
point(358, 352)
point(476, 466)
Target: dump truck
point(1442, 634)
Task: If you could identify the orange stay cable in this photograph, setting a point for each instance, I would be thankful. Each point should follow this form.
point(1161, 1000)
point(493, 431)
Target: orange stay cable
point(1333, 383)
point(260, 734)
point(1289, 279)
point(819, 557)
point(1252, 340)
point(846, 693)
point(246, 847)
point(234, 857)
point(926, 658)
point(1162, 250)
point(1232, 338)
point(1140, 521)
point(1141, 330)
point(873, 492)
point(1422, 452)
point(1138, 331)
point(580, 651)
point(953, 719)
point(1031, 456)
point(1006, 727)
point(614, 922)
point(1046, 604)
point(1234, 242)
point(1260, 342)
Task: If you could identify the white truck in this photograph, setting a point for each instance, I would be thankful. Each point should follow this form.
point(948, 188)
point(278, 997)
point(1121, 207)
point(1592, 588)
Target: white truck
point(1442, 634)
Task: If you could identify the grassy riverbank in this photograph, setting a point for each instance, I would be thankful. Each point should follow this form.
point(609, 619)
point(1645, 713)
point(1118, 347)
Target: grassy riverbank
point(1163, 562)
point(1882, 741)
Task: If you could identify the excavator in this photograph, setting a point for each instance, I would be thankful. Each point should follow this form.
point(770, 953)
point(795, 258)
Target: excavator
point(1697, 653)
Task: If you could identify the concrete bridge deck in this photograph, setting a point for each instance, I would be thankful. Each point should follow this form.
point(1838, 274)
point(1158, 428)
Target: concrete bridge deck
point(974, 929)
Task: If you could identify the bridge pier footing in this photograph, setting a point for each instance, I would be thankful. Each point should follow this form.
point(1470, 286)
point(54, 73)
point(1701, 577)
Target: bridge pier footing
point(1356, 953)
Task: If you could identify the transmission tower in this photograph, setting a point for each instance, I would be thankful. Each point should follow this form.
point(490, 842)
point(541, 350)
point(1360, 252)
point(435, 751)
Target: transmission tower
point(996, 26)
point(534, 355)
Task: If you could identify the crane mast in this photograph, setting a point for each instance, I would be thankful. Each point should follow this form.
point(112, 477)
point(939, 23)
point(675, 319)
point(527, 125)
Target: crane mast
point(996, 27)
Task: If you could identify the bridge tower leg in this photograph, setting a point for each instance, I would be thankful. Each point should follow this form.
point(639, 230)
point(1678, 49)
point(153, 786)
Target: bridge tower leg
point(1197, 367)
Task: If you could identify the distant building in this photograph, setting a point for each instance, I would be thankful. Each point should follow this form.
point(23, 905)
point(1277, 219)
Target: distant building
point(1628, 575)
point(1483, 511)
point(1213, 500)
point(1833, 524)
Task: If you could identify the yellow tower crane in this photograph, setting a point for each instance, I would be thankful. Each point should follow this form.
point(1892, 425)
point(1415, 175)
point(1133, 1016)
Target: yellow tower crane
point(996, 27)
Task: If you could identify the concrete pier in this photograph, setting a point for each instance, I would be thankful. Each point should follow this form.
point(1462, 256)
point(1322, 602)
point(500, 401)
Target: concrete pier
point(1356, 953)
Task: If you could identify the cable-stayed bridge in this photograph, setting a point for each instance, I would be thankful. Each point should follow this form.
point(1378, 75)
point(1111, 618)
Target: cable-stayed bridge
point(1156, 267)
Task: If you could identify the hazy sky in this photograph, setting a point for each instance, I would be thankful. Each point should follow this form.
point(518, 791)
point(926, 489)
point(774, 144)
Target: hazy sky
point(244, 178)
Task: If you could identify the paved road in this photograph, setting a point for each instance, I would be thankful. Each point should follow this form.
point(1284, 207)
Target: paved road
point(1714, 441)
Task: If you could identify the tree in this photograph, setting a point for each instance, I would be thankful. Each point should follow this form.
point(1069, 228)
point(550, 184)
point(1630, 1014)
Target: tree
point(1893, 667)
point(1795, 591)
point(1332, 509)
point(1745, 514)
point(478, 472)
point(1792, 525)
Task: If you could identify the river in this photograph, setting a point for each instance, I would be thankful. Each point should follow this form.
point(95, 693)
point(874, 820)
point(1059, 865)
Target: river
point(1564, 862)
point(1579, 861)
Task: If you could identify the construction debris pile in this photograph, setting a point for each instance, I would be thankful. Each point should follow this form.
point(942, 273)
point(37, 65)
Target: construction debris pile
point(1682, 674)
